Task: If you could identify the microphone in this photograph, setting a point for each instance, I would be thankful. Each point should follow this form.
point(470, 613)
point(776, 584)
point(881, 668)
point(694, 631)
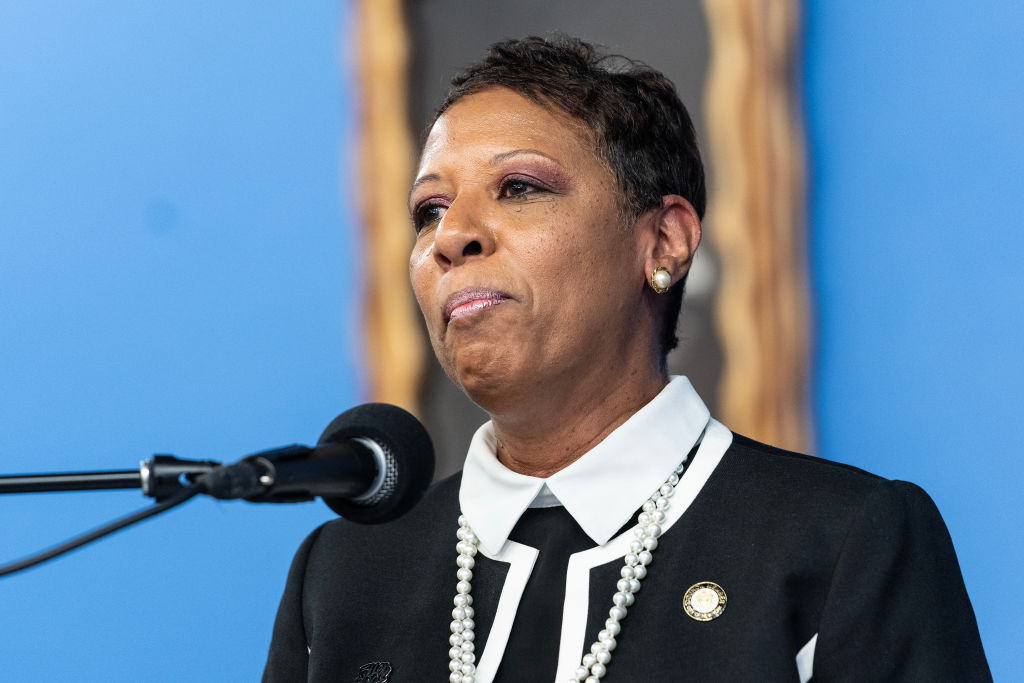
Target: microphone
point(371, 465)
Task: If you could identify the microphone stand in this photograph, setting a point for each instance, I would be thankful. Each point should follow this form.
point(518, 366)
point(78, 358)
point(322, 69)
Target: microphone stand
point(168, 479)
point(262, 477)
point(160, 477)
point(279, 475)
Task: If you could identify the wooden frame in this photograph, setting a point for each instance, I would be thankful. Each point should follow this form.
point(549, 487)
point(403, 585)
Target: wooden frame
point(756, 214)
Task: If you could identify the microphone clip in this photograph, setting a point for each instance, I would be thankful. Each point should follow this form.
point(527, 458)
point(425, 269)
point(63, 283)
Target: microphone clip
point(164, 475)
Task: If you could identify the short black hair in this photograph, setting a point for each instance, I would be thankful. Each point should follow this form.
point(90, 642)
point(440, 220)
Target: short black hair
point(640, 126)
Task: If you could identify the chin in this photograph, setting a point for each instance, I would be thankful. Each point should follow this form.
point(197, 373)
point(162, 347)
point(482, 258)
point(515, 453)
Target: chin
point(489, 381)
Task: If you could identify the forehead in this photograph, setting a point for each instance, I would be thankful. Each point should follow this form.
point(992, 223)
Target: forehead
point(499, 119)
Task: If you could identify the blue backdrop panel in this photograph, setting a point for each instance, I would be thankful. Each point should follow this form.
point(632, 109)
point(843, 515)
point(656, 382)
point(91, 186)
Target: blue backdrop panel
point(915, 114)
point(175, 276)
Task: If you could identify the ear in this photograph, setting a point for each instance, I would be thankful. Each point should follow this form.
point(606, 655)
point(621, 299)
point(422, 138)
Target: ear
point(673, 234)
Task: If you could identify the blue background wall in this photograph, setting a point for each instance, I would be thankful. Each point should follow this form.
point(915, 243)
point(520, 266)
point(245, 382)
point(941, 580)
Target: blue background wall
point(174, 276)
point(916, 119)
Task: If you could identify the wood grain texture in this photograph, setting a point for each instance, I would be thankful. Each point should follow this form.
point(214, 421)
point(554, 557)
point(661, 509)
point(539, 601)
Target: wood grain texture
point(395, 347)
point(757, 215)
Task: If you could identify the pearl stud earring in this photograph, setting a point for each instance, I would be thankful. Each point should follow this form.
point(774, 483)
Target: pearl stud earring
point(661, 279)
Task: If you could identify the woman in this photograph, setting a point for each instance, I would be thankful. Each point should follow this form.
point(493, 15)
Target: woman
point(557, 210)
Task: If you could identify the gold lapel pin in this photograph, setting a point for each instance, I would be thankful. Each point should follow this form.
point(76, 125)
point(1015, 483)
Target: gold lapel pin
point(705, 601)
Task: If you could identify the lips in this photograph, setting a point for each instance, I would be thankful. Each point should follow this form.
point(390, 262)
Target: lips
point(466, 302)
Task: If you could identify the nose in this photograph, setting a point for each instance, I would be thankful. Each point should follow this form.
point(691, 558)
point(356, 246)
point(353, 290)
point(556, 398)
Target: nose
point(462, 234)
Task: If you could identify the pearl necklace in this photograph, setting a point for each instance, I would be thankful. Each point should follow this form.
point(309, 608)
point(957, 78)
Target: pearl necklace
point(594, 664)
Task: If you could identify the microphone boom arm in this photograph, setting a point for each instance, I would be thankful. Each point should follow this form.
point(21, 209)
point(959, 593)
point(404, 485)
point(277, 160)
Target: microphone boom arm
point(160, 477)
point(371, 465)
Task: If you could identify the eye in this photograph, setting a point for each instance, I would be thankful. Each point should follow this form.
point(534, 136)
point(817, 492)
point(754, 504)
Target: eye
point(517, 187)
point(427, 214)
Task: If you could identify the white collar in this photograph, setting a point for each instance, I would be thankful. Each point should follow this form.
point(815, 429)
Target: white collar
point(603, 488)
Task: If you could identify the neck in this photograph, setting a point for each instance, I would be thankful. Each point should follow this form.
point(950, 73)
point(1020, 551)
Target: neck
point(567, 420)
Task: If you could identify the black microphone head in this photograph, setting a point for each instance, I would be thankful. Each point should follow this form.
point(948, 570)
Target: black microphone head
point(408, 454)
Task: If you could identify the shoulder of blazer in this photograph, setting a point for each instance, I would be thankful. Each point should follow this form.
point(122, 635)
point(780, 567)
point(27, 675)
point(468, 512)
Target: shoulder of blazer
point(780, 469)
point(748, 446)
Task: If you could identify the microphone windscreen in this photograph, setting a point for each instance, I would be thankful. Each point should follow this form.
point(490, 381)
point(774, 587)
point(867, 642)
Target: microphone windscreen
point(407, 450)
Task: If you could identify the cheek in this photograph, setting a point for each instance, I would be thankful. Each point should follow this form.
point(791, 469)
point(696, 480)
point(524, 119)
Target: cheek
point(558, 243)
point(422, 280)
point(574, 255)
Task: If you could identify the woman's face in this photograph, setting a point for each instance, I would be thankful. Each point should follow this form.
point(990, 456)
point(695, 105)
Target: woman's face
point(522, 267)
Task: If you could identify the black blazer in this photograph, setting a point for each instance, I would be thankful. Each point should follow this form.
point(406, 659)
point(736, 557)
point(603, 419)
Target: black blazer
point(802, 546)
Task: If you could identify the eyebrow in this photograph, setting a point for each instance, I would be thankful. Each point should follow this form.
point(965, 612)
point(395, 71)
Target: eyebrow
point(494, 161)
point(430, 177)
point(503, 156)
